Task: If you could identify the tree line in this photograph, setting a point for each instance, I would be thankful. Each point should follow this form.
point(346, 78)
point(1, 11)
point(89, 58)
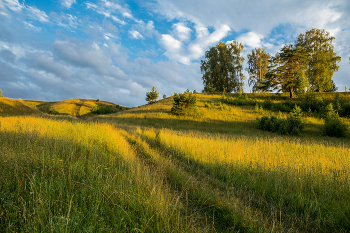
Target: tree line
point(308, 63)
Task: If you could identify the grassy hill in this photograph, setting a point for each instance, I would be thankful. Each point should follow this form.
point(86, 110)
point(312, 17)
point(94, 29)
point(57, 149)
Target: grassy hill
point(147, 170)
point(10, 107)
point(71, 107)
point(74, 107)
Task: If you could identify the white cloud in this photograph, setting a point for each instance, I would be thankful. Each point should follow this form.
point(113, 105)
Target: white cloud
point(115, 19)
point(250, 39)
point(182, 32)
point(127, 15)
point(67, 3)
point(13, 5)
point(135, 34)
point(90, 5)
point(35, 13)
point(32, 27)
point(174, 49)
point(202, 43)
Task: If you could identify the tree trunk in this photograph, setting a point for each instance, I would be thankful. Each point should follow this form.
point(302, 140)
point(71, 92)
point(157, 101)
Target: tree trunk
point(291, 92)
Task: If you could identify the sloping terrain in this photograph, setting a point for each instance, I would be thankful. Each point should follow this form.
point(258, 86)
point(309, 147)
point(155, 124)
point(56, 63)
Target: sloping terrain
point(16, 107)
point(74, 107)
point(146, 170)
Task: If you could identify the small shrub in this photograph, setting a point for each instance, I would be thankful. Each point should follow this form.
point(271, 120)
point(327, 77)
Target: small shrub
point(334, 128)
point(346, 110)
point(206, 105)
point(333, 125)
point(54, 111)
point(184, 104)
point(102, 110)
point(293, 125)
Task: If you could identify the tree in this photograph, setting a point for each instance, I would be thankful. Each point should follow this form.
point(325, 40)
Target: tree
point(184, 103)
point(323, 60)
point(238, 62)
point(334, 88)
point(258, 62)
point(222, 68)
point(287, 70)
point(1, 93)
point(152, 96)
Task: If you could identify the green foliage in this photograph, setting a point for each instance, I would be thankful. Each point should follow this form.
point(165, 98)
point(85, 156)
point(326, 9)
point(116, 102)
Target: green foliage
point(287, 71)
point(97, 101)
point(293, 125)
point(333, 125)
point(258, 62)
point(1, 93)
point(164, 96)
point(259, 109)
point(152, 95)
point(323, 60)
point(184, 104)
point(222, 68)
point(102, 110)
point(54, 111)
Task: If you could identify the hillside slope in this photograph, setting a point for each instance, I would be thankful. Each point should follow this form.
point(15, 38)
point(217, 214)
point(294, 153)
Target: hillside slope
point(16, 107)
point(74, 107)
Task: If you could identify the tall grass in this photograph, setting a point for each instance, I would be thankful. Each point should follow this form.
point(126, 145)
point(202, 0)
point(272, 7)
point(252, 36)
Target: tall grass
point(306, 181)
point(60, 176)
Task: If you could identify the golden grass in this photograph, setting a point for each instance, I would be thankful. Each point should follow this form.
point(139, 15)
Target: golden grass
point(16, 107)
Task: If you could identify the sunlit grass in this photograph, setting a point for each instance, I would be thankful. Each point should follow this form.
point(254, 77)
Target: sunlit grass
point(72, 176)
point(15, 107)
point(307, 180)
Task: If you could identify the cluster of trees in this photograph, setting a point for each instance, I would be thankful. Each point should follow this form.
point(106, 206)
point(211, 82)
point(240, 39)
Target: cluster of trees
point(309, 62)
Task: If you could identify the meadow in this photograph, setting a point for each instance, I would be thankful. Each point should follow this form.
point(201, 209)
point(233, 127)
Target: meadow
point(146, 170)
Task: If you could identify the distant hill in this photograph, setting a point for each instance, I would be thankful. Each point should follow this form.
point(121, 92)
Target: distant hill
point(16, 107)
point(71, 107)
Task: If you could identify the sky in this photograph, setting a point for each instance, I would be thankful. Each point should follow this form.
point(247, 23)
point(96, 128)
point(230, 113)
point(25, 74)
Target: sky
point(117, 50)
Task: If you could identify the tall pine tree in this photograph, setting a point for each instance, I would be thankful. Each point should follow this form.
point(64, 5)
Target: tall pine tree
point(287, 70)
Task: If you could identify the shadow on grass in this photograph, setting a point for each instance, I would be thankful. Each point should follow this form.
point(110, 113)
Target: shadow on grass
point(276, 191)
point(312, 134)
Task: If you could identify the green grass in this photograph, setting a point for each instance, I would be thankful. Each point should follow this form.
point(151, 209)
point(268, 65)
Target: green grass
point(146, 170)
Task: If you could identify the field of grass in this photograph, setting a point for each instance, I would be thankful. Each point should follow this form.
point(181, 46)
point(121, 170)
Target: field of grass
point(145, 170)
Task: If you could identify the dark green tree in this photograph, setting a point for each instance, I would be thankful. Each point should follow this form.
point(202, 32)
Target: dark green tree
point(184, 103)
point(222, 68)
point(152, 95)
point(258, 63)
point(323, 60)
point(287, 70)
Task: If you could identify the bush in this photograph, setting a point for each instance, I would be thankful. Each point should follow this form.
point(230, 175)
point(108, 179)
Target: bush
point(293, 125)
point(334, 128)
point(1, 93)
point(346, 110)
point(102, 110)
point(333, 125)
point(54, 111)
point(184, 104)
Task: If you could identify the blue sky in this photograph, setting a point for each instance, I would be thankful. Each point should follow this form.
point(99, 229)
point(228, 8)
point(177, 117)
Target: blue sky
point(117, 50)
